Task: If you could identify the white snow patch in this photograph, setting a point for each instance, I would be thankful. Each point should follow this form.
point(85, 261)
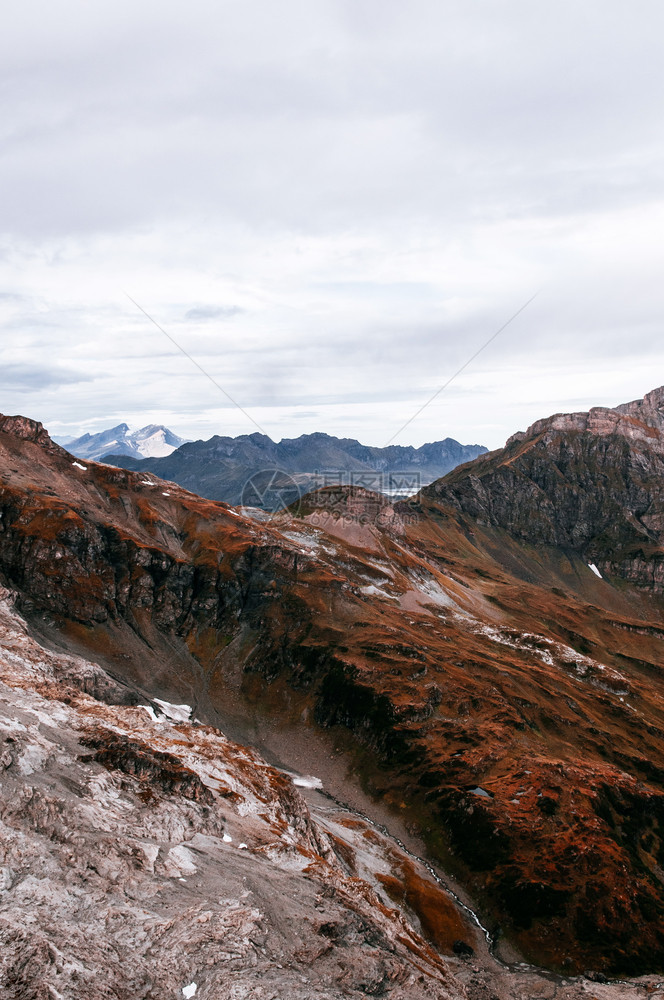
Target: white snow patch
point(395, 491)
point(307, 541)
point(307, 782)
point(79, 466)
point(150, 710)
point(165, 494)
point(553, 653)
point(189, 991)
point(178, 713)
point(227, 839)
point(146, 482)
point(481, 792)
point(150, 442)
point(595, 570)
point(242, 847)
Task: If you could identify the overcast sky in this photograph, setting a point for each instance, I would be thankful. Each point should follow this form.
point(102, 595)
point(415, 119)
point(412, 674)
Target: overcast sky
point(330, 205)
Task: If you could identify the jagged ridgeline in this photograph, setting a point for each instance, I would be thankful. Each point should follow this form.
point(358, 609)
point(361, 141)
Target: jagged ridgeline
point(488, 654)
point(242, 470)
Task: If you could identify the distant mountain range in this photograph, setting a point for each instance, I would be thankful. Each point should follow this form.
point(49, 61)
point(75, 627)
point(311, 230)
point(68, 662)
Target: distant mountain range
point(253, 470)
point(152, 441)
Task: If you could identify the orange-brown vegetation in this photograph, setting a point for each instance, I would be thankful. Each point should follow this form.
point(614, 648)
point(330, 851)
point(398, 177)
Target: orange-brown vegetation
point(510, 699)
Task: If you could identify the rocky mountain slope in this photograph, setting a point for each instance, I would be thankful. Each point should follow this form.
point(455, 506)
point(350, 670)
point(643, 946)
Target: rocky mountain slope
point(481, 684)
point(153, 441)
point(242, 470)
point(590, 483)
point(143, 855)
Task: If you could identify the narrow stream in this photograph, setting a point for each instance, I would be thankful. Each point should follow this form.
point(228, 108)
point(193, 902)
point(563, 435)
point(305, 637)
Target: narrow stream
point(284, 757)
point(516, 968)
point(344, 807)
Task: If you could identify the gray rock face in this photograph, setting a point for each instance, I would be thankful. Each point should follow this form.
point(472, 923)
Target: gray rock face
point(140, 855)
point(29, 430)
point(592, 483)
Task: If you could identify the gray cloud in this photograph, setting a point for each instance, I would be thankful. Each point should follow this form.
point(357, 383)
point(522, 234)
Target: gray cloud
point(202, 313)
point(29, 377)
point(371, 187)
point(438, 111)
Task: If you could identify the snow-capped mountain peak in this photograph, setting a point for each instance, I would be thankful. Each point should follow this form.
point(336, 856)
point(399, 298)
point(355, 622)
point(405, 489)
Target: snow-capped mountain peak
point(152, 441)
point(155, 441)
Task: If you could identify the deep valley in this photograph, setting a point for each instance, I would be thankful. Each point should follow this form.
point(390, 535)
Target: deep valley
point(477, 668)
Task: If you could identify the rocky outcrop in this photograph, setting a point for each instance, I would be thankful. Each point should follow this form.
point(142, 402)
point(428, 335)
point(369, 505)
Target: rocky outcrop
point(591, 483)
point(29, 430)
point(640, 420)
point(169, 857)
point(144, 856)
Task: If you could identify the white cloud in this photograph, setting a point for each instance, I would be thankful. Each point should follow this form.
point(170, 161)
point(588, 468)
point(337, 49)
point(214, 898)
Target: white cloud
point(330, 206)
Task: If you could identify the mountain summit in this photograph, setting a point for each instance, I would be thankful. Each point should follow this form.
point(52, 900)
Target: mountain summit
point(590, 483)
point(152, 441)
